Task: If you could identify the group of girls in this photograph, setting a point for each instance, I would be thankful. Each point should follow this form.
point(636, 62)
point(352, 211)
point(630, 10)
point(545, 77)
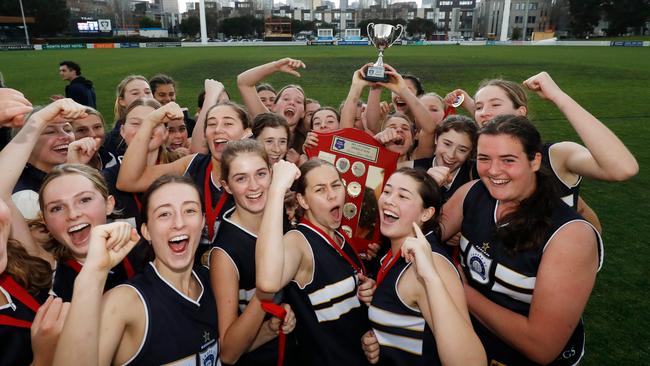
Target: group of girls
point(128, 217)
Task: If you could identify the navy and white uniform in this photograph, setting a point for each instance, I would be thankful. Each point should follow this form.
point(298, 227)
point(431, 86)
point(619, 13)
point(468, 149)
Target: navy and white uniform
point(403, 335)
point(66, 273)
point(238, 244)
point(178, 330)
point(197, 170)
point(15, 342)
point(568, 192)
point(330, 317)
point(106, 158)
point(509, 280)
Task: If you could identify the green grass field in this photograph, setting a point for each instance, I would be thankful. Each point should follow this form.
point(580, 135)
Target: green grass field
point(610, 82)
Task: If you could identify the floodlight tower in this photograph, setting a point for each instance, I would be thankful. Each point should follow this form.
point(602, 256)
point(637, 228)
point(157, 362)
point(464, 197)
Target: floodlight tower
point(22, 12)
point(505, 22)
point(204, 28)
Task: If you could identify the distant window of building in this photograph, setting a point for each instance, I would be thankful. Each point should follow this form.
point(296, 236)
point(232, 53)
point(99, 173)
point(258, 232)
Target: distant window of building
point(531, 19)
point(306, 16)
point(465, 3)
point(519, 19)
point(532, 6)
point(318, 16)
point(445, 3)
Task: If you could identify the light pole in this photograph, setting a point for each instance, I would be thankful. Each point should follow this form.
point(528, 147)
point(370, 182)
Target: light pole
point(22, 12)
point(505, 23)
point(526, 21)
point(204, 28)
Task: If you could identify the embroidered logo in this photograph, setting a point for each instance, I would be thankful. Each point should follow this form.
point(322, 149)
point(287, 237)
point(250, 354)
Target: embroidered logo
point(479, 265)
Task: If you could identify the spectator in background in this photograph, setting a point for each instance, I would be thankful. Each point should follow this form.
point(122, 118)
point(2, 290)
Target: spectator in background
point(80, 89)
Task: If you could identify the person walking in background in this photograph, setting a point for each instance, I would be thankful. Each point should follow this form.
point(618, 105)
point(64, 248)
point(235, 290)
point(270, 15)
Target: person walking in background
point(80, 89)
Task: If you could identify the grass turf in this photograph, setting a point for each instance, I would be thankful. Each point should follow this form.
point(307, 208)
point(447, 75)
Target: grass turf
point(609, 82)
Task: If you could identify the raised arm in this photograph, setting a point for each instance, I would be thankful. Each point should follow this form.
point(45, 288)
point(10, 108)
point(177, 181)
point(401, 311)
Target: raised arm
point(423, 119)
point(13, 107)
point(247, 80)
point(349, 110)
point(565, 278)
point(605, 156)
point(441, 300)
point(375, 113)
point(213, 89)
point(79, 343)
point(468, 101)
point(135, 175)
point(276, 261)
point(15, 155)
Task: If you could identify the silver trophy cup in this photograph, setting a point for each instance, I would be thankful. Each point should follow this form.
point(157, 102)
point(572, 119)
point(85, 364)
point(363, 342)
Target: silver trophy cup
point(382, 36)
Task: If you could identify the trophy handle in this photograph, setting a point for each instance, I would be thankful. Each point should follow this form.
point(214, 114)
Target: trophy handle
point(368, 31)
point(401, 31)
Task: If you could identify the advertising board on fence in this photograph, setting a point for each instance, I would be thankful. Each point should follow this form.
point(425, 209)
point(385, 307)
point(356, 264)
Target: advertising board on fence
point(16, 47)
point(64, 46)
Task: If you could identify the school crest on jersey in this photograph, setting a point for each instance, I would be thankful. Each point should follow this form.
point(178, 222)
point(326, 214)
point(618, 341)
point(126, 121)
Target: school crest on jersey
point(210, 355)
point(479, 265)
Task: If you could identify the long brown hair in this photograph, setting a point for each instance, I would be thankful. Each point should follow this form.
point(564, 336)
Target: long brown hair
point(32, 273)
point(525, 228)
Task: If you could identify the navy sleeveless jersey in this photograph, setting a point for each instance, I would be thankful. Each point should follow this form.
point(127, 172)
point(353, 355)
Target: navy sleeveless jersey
point(179, 330)
point(197, 170)
point(127, 204)
point(239, 245)
point(404, 336)
point(15, 342)
point(113, 141)
point(106, 158)
point(30, 179)
point(568, 193)
point(64, 277)
point(508, 280)
point(330, 317)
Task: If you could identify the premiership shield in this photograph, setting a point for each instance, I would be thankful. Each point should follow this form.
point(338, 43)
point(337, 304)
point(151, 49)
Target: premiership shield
point(364, 165)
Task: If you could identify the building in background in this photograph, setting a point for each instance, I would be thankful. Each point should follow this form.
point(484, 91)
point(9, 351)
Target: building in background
point(526, 17)
point(456, 17)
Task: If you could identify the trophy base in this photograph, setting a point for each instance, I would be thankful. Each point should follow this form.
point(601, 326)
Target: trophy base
point(376, 74)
